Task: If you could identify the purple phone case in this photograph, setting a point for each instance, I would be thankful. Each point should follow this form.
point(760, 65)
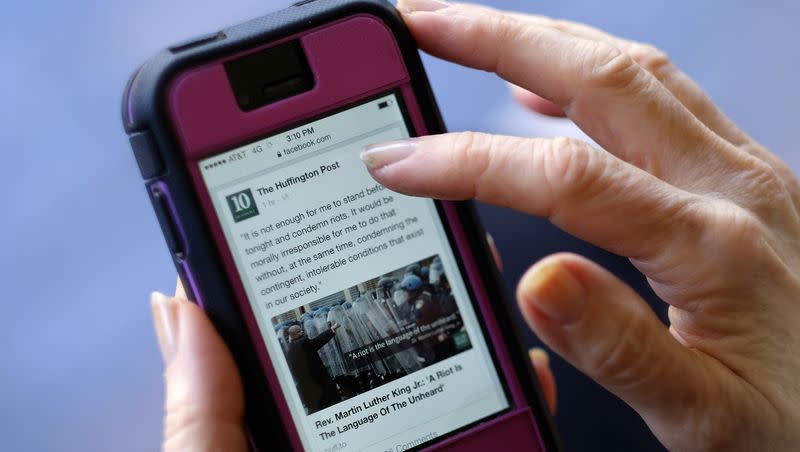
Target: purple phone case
point(378, 51)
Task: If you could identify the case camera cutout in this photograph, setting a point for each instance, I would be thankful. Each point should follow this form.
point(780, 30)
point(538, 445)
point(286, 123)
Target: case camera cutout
point(269, 75)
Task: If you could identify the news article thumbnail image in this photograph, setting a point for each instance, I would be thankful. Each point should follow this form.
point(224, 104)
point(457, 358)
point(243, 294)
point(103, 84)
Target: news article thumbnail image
point(365, 336)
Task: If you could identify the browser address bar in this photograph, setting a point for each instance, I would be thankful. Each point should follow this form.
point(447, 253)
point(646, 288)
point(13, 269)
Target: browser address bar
point(334, 131)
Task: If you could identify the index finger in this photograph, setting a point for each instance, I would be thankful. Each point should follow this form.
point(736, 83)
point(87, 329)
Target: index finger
point(582, 190)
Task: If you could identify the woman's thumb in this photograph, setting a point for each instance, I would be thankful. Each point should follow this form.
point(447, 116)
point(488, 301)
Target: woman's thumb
point(204, 400)
point(602, 327)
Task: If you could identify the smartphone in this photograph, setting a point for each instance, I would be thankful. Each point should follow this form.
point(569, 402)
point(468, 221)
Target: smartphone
point(360, 319)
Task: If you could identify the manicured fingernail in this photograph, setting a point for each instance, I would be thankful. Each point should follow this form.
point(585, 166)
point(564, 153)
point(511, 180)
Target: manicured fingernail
point(378, 155)
point(490, 239)
point(165, 322)
point(409, 6)
point(495, 252)
point(553, 290)
point(538, 355)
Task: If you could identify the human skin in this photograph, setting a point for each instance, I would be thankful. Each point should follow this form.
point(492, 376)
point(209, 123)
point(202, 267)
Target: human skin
point(204, 408)
point(707, 214)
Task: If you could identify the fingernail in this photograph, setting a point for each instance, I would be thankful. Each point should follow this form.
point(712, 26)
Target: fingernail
point(409, 6)
point(553, 290)
point(495, 252)
point(165, 323)
point(379, 155)
point(538, 355)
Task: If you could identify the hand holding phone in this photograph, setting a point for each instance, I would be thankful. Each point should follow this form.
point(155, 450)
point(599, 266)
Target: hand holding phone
point(249, 141)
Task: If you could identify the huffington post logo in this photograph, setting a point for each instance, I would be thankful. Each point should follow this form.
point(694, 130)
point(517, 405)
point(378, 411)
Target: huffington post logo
point(242, 205)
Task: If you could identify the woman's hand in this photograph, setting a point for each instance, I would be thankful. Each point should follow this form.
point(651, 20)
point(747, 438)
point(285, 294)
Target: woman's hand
point(204, 401)
point(706, 213)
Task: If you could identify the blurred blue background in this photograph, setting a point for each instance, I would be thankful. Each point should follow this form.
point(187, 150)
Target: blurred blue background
point(82, 250)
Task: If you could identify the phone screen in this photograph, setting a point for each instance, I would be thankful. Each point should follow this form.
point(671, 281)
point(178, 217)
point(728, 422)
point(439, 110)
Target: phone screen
point(356, 290)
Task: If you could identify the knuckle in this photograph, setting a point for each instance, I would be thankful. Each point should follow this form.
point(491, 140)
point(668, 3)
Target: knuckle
point(620, 362)
point(470, 157)
point(651, 59)
point(740, 251)
point(735, 238)
point(570, 159)
point(736, 226)
point(686, 227)
point(765, 189)
point(607, 66)
point(474, 34)
point(786, 175)
point(467, 148)
point(479, 32)
point(572, 168)
point(559, 24)
point(506, 28)
point(792, 185)
point(764, 178)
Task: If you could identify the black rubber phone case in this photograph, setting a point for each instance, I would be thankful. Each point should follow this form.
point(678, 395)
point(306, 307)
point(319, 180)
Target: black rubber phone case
point(187, 233)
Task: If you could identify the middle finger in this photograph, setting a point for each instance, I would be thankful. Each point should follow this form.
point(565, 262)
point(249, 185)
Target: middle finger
point(621, 106)
point(656, 62)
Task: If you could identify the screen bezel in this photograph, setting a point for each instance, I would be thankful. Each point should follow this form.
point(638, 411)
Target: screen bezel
point(460, 217)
